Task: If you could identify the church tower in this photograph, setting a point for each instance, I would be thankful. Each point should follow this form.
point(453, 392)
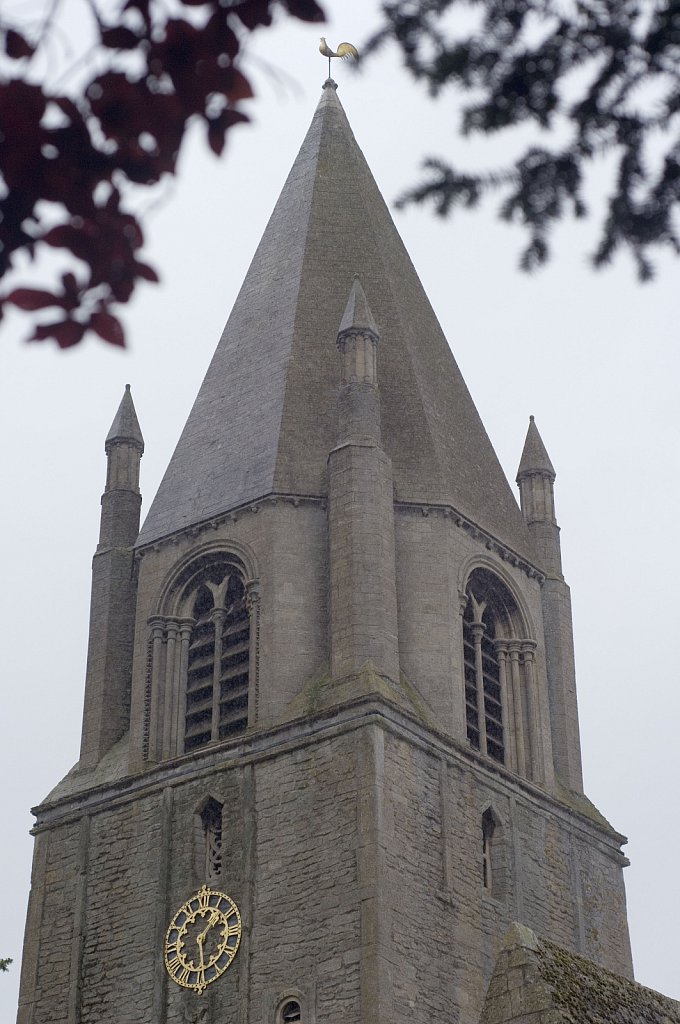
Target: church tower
point(330, 743)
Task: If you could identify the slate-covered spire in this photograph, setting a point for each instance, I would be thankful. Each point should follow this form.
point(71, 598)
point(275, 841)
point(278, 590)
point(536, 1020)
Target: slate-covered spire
point(114, 590)
point(363, 587)
point(536, 479)
point(265, 417)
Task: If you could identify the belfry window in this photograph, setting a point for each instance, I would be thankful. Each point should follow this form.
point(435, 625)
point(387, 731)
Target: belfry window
point(218, 660)
point(199, 688)
point(502, 710)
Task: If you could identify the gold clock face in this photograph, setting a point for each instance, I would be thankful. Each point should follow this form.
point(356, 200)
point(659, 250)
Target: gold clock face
point(202, 939)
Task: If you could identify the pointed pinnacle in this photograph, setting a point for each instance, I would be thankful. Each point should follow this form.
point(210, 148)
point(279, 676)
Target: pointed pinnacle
point(125, 426)
point(357, 315)
point(535, 458)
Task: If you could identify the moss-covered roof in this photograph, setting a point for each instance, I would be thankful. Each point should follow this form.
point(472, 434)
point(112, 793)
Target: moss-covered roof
point(589, 994)
point(536, 980)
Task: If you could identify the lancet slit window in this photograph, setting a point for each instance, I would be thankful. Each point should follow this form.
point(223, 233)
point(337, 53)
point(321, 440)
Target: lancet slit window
point(211, 820)
point(488, 826)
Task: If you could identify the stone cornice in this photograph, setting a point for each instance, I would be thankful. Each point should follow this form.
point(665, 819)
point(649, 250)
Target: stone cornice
point(491, 543)
point(266, 744)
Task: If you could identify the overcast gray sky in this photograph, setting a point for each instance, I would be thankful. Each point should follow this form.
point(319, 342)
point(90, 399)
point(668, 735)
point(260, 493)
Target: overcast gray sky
point(593, 356)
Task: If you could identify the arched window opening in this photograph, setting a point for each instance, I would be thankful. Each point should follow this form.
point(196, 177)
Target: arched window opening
point(211, 821)
point(201, 671)
point(289, 1012)
point(501, 700)
point(218, 659)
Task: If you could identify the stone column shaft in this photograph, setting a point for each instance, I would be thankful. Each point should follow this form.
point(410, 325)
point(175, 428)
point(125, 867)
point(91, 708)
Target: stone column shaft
point(363, 596)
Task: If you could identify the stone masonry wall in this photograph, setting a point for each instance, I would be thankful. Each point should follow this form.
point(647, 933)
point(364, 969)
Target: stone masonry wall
point(306, 919)
point(435, 896)
point(46, 978)
point(122, 899)
point(354, 852)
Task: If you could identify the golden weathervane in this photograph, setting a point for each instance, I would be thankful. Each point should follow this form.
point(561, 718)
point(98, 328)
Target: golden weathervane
point(344, 52)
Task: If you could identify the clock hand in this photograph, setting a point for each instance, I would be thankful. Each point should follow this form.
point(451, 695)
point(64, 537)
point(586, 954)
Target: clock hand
point(213, 918)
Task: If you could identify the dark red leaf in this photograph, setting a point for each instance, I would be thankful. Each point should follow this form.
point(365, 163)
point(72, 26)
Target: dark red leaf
point(21, 109)
point(108, 327)
point(218, 125)
point(65, 333)
point(217, 28)
point(71, 291)
point(16, 46)
point(306, 10)
point(33, 298)
point(120, 38)
point(216, 137)
point(147, 272)
point(239, 88)
point(65, 236)
point(253, 13)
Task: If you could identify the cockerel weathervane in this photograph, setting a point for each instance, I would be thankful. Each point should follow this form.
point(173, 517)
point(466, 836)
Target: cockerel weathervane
point(344, 52)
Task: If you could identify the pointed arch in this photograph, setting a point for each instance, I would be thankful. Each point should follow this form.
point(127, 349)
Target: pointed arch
point(178, 580)
point(522, 617)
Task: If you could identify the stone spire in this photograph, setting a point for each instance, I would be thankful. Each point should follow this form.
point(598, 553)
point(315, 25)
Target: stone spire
point(121, 501)
point(359, 400)
point(329, 224)
point(125, 426)
point(114, 590)
point(361, 510)
point(536, 480)
point(535, 458)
